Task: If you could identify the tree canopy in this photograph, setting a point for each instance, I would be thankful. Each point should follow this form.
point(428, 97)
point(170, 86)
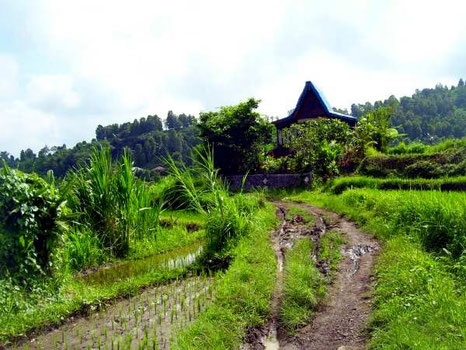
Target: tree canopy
point(238, 134)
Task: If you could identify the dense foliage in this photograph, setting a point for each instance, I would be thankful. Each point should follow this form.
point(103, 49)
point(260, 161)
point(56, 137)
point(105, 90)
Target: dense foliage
point(31, 226)
point(428, 115)
point(239, 136)
point(317, 145)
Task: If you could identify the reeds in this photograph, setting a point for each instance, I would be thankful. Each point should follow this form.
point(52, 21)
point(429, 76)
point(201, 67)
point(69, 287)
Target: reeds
point(112, 202)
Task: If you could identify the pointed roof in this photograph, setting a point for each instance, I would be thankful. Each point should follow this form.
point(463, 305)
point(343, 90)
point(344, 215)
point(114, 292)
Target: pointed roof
point(312, 104)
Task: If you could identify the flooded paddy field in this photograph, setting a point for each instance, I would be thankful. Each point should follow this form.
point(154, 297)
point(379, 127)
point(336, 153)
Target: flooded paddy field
point(146, 321)
point(177, 258)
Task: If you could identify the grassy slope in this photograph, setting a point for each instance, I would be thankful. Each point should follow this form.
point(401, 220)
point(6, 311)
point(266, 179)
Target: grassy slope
point(420, 300)
point(243, 293)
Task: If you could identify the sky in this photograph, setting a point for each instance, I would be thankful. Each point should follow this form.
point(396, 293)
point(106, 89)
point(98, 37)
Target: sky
point(68, 66)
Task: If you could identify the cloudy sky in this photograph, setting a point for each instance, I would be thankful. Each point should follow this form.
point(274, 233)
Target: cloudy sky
point(67, 66)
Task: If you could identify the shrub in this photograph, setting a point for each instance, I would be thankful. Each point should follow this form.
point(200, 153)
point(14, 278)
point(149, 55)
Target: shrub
point(317, 146)
point(32, 214)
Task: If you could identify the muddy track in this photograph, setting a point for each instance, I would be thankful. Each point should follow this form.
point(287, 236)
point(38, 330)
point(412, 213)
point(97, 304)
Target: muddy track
point(339, 322)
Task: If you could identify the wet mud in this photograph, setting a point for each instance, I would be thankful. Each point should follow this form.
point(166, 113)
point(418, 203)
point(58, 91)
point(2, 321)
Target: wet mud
point(339, 322)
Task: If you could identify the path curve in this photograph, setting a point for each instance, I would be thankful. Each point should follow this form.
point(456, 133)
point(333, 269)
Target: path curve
point(339, 322)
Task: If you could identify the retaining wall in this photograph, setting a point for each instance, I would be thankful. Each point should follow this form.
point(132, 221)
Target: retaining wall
point(270, 181)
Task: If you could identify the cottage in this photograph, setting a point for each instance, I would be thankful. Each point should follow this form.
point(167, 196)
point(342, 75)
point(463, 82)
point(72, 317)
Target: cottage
point(311, 104)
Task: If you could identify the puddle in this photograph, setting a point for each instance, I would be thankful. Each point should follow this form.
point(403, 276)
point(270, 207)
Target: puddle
point(177, 258)
point(147, 321)
point(356, 252)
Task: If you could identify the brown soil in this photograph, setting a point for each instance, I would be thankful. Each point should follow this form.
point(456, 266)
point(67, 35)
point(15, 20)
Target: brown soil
point(340, 321)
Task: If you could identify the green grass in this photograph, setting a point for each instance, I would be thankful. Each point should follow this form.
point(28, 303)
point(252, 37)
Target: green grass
point(304, 286)
point(329, 249)
point(341, 184)
point(242, 294)
point(421, 148)
point(419, 297)
point(293, 212)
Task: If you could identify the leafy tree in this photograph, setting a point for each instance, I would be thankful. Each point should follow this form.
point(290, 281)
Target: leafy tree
point(428, 115)
point(238, 134)
point(374, 128)
point(317, 146)
point(172, 121)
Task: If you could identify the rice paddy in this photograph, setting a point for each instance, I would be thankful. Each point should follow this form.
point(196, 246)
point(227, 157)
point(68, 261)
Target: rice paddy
point(146, 321)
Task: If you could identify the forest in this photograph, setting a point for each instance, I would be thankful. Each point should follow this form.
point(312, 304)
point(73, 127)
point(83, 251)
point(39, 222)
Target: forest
point(429, 116)
point(371, 253)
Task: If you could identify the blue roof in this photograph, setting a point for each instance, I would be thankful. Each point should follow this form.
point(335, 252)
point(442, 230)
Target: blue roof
point(322, 107)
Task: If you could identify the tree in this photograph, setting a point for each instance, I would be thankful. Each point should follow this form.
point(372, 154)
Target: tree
point(172, 121)
point(374, 128)
point(238, 135)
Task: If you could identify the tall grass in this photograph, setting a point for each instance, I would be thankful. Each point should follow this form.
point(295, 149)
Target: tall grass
point(112, 202)
point(202, 190)
point(341, 184)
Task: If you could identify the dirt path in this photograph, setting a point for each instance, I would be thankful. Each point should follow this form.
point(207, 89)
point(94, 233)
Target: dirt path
point(339, 322)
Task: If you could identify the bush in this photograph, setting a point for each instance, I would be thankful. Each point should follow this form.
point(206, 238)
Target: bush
point(317, 146)
point(112, 203)
point(31, 224)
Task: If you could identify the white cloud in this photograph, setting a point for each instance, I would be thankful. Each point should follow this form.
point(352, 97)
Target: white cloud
point(9, 76)
point(54, 92)
point(123, 60)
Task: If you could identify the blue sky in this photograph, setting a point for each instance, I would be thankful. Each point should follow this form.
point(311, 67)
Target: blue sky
point(67, 66)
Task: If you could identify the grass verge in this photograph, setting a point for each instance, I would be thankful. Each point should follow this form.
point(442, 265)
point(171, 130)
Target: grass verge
point(242, 294)
point(419, 300)
point(304, 286)
point(341, 184)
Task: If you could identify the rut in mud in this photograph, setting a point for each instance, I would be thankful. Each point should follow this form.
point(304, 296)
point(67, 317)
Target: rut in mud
point(339, 321)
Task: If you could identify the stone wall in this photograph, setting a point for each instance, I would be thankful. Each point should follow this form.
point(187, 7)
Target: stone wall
point(270, 181)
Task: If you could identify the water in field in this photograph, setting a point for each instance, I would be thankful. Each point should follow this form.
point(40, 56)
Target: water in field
point(147, 321)
point(177, 258)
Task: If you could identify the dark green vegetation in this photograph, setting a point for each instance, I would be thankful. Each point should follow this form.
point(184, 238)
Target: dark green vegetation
point(428, 115)
point(418, 160)
point(56, 233)
point(420, 290)
point(145, 138)
point(328, 147)
point(239, 136)
point(99, 213)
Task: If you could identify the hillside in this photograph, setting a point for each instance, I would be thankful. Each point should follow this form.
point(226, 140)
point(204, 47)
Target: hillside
point(146, 137)
point(428, 115)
